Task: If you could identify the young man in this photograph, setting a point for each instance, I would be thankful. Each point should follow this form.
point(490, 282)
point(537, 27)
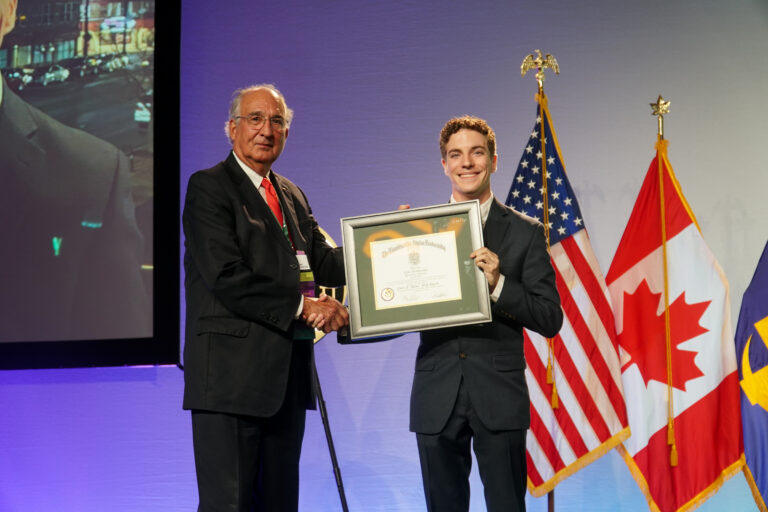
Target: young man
point(469, 385)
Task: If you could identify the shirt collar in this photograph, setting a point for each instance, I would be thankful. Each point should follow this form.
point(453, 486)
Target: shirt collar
point(485, 207)
point(252, 175)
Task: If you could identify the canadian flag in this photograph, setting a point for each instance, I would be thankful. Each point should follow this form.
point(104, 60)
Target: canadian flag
point(678, 361)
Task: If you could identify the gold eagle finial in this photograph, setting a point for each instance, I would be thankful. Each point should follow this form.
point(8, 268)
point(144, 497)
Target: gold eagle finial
point(539, 63)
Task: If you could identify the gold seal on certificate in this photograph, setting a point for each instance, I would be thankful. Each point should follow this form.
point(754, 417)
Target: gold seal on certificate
point(415, 270)
point(410, 270)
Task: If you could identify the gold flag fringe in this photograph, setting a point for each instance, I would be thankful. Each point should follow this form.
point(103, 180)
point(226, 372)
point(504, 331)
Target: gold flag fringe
point(580, 463)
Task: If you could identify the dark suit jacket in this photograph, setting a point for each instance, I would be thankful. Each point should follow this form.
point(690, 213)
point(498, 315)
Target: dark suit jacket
point(489, 357)
point(61, 182)
point(242, 289)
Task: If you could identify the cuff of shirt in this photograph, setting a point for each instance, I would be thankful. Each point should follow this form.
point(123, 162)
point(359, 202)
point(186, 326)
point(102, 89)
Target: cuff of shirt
point(301, 308)
point(497, 291)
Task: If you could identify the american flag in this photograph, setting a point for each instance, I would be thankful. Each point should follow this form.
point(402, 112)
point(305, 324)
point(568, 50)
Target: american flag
point(590, 415)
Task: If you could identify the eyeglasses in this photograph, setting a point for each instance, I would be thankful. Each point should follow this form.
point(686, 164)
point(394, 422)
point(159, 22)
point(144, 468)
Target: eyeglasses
point(256, 121)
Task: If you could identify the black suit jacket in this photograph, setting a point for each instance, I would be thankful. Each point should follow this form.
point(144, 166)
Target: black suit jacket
point(60, 182)
point(489, 357)
point(242, 290)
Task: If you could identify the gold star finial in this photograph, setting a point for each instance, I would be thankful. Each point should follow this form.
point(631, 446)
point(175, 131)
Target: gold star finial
point(660, 108)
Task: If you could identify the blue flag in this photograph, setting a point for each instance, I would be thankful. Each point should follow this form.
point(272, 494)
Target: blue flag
point(752, 357)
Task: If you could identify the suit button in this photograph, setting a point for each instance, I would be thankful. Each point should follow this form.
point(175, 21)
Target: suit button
point(462, 355)
point(294, 266)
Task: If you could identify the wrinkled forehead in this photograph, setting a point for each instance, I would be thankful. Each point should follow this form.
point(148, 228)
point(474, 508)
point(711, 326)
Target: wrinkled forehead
point(261, 100)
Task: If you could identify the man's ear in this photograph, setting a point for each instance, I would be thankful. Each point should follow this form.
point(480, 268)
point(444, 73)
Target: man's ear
point(494, 163)
point(445, 167)
point(7, 17)
point(232, 126)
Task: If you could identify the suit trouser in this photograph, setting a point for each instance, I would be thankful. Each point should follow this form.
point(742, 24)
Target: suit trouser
point(248, 463)
point(446, 462)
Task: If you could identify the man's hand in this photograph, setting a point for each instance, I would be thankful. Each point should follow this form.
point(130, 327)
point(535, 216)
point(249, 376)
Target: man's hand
point(325, 313)
point(487, 261)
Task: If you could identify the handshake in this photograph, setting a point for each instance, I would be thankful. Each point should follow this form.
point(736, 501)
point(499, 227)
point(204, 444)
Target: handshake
point(325, 313)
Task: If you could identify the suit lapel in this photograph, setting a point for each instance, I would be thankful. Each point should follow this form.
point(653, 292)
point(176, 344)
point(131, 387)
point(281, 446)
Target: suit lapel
point(23, 163)
point(289, 212)
point(496, 227)
point(18, 148)
point(254, 206)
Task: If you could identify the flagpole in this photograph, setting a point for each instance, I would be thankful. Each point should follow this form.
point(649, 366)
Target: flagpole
point(540, 63)
point(660, 108)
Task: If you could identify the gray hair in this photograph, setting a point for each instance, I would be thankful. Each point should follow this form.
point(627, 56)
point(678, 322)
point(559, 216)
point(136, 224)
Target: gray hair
point(237, 97)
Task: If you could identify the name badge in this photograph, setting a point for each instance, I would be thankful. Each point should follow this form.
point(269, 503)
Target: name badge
point(303, 261)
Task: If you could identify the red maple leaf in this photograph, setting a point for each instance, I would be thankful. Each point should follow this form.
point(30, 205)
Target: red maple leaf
point(644, 336)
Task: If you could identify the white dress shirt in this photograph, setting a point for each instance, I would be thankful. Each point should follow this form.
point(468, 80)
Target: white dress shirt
point(256, 180)
point(485, 209)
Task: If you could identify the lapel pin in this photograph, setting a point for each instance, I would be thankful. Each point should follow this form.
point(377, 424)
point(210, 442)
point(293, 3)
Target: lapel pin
point(56, 245)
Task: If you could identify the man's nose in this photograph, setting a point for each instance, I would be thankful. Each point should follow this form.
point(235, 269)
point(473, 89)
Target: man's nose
point(266, 128)
point(466, 162)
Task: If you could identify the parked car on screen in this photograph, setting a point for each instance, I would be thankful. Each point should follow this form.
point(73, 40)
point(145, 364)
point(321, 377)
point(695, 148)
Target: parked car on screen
point(134, 61)
point(54, 73)
point(142, 114)
point(18, 78)
point(112, 62)
point(76, 66)
point(92, 64)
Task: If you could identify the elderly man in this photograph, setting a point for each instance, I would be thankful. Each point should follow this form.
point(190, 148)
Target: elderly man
point(469, 384)
point(250, 238)
point(70, 257)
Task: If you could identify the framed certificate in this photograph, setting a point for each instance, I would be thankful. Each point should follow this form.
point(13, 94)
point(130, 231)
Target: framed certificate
point(410, 270)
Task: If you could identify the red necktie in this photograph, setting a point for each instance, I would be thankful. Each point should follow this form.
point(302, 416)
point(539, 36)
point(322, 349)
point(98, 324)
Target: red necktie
point(272, 200)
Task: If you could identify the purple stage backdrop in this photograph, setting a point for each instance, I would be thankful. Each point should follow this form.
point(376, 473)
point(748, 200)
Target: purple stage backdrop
point(371, 84)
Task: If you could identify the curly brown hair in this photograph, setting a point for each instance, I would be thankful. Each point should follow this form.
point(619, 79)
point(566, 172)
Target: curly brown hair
point(467, 123)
